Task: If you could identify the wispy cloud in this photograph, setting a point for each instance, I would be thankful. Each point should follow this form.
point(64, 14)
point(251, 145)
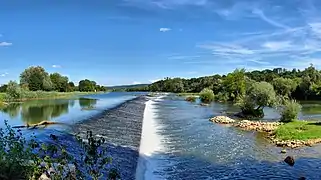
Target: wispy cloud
point(164, 29)
point(277, 45)
point(5, 43)
point(168, 4)
point(154, 80)
point(261, 14)
point(56, 66)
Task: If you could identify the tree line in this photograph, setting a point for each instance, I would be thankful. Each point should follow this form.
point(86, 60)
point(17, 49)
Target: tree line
point(297, 84)
point(37, 79)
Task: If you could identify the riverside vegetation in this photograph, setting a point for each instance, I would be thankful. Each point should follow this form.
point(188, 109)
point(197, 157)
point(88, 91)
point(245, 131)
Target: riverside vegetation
point(36, 83)
point(251, 92)
point(22, 159)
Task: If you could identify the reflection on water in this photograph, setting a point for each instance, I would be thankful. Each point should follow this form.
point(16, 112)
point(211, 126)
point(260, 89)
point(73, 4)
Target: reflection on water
point(39, 110)
point(87, 103)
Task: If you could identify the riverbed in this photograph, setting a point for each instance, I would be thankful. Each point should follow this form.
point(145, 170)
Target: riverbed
point(166, 137)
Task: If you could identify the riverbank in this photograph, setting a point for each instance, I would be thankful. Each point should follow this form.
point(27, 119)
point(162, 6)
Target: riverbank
point(36, 95)
point(121, 127)
point(293, 135)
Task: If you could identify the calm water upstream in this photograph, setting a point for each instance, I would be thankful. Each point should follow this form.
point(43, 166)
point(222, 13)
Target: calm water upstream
point(168, 138)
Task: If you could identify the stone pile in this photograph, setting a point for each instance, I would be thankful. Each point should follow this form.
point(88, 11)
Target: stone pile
point(258, 126)
point(222, 120)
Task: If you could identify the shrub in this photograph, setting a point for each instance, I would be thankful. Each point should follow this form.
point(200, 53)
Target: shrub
point(21, 159)
point(190, 98)
point(290, 111)
point(207, 95)
point(13, 90)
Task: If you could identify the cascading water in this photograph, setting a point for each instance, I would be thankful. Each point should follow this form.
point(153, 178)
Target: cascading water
point(150, 143)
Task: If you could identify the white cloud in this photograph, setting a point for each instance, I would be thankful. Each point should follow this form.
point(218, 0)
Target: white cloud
point(136, 82)
point(56, 66)
point(154, 80)
point(5, 43)
point(277, 45)
point(164, 29)
point(4, 74)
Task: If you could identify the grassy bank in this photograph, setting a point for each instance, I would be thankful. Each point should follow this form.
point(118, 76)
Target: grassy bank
point(299, 130)
point(29, 95)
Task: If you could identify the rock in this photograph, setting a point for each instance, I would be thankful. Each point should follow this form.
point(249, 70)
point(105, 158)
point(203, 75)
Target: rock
point(222, 120)
point(283, 151)
point(302, 178)
point(289, 160)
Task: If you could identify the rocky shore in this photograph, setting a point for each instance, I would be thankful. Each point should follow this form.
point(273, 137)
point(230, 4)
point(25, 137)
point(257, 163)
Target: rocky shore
point(266, 127)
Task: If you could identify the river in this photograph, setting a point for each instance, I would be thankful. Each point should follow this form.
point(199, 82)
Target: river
point(168, 138)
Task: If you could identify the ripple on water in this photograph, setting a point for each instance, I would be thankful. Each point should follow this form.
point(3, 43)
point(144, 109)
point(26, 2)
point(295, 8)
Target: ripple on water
point(199, 149)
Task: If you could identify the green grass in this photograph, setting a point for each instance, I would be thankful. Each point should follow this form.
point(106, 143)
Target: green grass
point(188, 94)
point(299, 130)
point(29, 95)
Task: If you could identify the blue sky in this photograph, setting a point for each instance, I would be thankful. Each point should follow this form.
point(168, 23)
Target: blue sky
point(139, 41)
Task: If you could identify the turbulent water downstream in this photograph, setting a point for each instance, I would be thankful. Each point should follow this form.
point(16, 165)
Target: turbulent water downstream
point(168, 138)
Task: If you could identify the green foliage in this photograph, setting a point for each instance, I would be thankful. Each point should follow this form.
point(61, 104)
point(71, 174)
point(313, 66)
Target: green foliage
point(261, 94)
point(3, 88)
point(21, 159)
point(299, 130)
point(284, 86)
point(34, 78)
point(60, 83)
point(290, 111)
point(14, 91)
point(207, 95)
point(234, 84)
point(221, 96)
point(87, 85)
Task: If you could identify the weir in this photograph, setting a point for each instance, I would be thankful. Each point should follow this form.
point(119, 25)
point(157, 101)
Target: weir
point(121, 127)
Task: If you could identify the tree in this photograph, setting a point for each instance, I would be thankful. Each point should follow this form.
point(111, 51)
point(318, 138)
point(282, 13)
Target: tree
point(258, 95)
point(207, 95)
point(34, 78)
point(60, 83)
point(284, 86)
point(234, 84)
point(71, 87)
point(87, 85)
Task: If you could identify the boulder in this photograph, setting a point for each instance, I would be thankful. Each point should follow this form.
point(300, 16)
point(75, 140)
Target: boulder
point(283, 151)
point(289, 160)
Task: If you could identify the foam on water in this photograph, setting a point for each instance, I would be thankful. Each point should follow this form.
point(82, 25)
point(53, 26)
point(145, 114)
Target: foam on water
point(150, 143)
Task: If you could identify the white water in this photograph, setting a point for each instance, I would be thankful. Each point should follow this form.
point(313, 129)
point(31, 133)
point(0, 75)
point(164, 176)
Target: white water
point(150, 143)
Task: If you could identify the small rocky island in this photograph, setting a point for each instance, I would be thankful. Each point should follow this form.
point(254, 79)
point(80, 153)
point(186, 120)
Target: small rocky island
point(268, 128)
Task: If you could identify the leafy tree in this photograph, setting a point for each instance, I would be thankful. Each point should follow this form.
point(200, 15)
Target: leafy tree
point(87, 85)
point(34, 78)
point(284, 86)
point(234, 84)
point(60, 83)
point(258, 96)
point(207, 95)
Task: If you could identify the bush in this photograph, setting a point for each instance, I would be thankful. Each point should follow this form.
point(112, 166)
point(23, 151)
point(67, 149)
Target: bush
point(13, 90)
point(222, 97)
point(190, 98)
point(207, 95)
point(290, 111)
point(21, 159)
